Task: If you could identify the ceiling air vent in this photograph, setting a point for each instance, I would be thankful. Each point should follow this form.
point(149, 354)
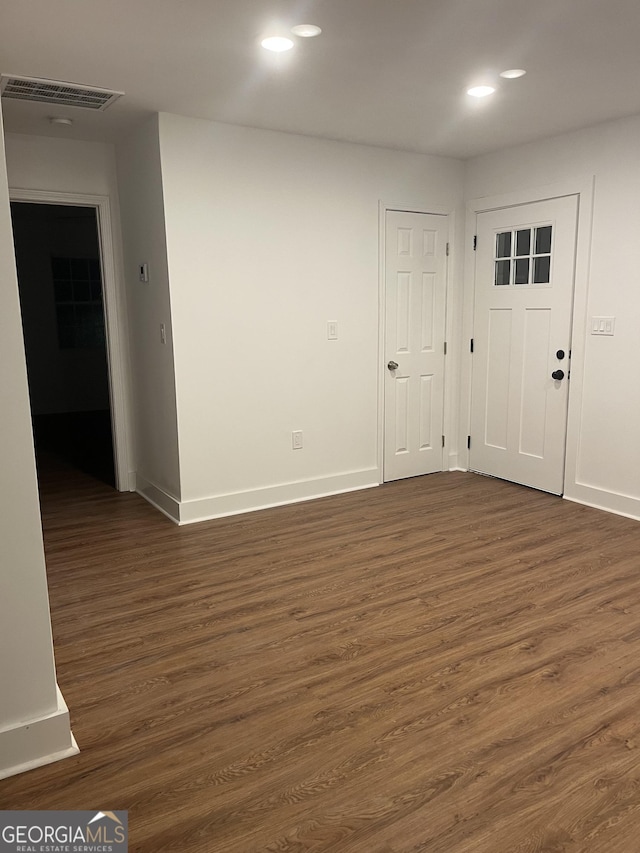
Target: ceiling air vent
point(56, 92)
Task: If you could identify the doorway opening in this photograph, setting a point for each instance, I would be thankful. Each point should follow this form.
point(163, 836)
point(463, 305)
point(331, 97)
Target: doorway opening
point(60, 281)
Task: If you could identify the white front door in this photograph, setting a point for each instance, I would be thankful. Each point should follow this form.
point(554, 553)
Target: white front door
point(415, 277)
point(525, 258)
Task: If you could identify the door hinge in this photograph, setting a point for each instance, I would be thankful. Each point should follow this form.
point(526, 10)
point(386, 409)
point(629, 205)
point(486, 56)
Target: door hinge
point(445, 347)
point(471, 345)
point(475, 242)
point(443, 441)
point(468, 442)
point(447, 250)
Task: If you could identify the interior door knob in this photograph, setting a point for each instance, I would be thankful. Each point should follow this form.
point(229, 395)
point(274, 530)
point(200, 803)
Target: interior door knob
point(393, 365)
point(557, 374)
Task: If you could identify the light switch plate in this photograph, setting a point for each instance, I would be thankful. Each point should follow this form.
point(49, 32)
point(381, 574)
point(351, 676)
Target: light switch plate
point(603, 325)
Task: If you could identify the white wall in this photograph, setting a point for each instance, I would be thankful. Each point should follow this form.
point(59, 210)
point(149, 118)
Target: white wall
point(604, 425)
point(28, 691)
point(154, 393)
point(271, 235)
point(61, 165)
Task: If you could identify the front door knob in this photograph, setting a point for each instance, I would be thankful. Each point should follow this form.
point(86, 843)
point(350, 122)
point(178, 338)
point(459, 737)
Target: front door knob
point(557, 374)
point(393, 365)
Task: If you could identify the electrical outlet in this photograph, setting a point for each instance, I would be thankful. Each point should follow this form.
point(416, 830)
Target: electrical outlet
point(143, 272)
point(296, 439)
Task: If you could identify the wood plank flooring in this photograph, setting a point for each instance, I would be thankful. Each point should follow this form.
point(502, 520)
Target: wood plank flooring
point(447, 664)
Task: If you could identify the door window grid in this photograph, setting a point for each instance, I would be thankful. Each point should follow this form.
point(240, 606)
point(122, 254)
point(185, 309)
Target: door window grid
point(523, 256)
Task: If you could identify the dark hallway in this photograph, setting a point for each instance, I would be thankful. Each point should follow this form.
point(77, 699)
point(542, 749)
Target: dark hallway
point(60, 283)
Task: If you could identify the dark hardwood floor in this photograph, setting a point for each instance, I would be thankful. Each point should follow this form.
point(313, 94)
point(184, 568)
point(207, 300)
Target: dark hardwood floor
point(446, 664)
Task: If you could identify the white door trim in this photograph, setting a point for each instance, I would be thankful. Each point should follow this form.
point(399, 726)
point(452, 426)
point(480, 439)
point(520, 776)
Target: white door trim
point(583, 188)
point(383, 207)
point(116, 355)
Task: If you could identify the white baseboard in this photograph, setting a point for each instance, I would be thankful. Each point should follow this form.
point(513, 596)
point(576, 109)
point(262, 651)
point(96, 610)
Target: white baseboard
point(38, 742)
point(624, 505)
point(270, 496)
point(157, 497)
point(217, 506)
point(455, 463)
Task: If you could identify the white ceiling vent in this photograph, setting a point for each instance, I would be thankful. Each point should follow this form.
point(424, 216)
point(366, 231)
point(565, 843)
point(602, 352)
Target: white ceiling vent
point(56, 92)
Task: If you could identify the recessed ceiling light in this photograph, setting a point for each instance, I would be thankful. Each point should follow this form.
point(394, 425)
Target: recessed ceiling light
point(480, 91)
point(277, 43)
point(513, 73)
point(306, 31)
point(61, 120)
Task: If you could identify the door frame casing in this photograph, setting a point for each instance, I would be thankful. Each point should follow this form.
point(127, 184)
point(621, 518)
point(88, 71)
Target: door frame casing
point(113, 309)
point(448, 414)
point(583, 189)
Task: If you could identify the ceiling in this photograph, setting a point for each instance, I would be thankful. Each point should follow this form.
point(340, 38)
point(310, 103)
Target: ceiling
point(384, 72)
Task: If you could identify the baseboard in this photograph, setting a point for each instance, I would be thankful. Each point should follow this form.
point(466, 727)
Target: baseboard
point(453, 462)
point(157, 497)
point(38, 742)
point(270, 496)
point(624, 505)
point(189, 512)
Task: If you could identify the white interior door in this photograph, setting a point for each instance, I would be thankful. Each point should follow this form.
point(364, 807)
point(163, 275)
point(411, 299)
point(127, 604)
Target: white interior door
point(525, 260)
point(415, 275)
